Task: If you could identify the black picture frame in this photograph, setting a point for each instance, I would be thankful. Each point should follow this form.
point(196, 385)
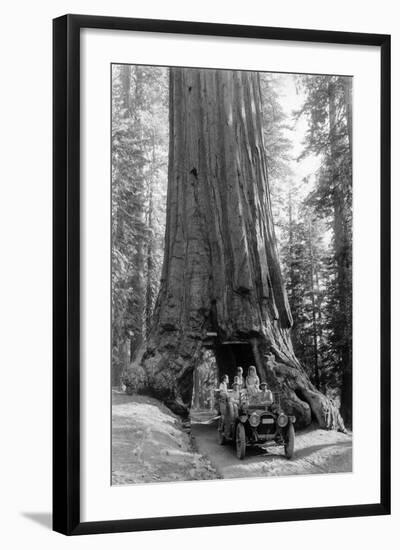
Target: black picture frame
point(66, 273)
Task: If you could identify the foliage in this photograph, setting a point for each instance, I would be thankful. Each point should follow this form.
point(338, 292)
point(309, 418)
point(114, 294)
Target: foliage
point(312, 214)
point(139, 179)
point(315, 232)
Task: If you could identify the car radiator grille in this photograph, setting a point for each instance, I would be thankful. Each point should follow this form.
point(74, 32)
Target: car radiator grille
point(267, 425)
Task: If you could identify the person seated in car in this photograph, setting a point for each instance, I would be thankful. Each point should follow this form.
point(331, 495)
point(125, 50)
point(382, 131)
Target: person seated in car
point(234, 401)
point(223, 394)
point(235, 394)
point(239, 376)
point(252, 381)
point(265, 393)
point(223, 387)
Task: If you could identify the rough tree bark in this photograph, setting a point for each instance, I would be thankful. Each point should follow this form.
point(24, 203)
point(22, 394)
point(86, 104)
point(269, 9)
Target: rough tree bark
point(150, 293)
point(342, 244)
point(221, 270)
point(313, 304)
point(137, 282)
point(348, 98)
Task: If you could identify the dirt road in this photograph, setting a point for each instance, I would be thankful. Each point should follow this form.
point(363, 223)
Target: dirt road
point(316, 452)
point(150, 445)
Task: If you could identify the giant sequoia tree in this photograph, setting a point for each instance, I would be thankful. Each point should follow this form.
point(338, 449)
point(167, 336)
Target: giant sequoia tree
point(221, 285)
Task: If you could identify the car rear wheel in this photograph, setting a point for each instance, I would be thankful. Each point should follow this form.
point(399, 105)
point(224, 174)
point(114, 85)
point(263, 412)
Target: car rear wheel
point(221, 436)
point(289, 441)
point(240, 441)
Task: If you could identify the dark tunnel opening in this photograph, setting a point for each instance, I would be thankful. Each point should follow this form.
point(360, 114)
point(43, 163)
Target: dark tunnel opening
point(231, 356)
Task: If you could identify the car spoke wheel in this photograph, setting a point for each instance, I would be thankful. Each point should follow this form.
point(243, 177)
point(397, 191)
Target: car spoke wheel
point(289, 441)
point(221, 435)
point(240, 441)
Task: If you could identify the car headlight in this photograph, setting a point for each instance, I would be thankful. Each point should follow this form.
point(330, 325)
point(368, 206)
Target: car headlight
point(254, 419)
point(282, 420)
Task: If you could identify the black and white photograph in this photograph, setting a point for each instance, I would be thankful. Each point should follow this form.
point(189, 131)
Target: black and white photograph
point(200, 255)
point(231, 274)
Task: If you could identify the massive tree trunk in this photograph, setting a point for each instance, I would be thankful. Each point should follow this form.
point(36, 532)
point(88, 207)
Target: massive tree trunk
point(221, 284)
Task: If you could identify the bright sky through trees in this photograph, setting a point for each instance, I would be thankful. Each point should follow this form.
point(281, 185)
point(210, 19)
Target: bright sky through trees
point(292, 98)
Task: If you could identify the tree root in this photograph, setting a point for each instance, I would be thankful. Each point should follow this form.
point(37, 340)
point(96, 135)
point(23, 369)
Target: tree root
point(166, 373)
point(301, 398)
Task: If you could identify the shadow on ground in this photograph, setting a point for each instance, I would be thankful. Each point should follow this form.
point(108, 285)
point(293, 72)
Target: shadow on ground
point(303, 453)
point(316, 452)
point(45, 519)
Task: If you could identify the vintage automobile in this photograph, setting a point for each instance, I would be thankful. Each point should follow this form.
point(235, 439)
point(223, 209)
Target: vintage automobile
point(255, 420)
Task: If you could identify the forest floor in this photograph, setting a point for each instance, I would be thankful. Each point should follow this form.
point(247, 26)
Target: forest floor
point(316, 452)
point(150, 444)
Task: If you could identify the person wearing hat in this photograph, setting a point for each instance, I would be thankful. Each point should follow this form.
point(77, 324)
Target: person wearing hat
point(265, 393)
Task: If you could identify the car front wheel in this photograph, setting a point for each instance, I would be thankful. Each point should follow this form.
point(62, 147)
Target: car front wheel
point(289, 441)
point(240, 441)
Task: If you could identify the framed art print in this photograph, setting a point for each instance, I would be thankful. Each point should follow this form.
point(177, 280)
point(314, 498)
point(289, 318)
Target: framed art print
point(221, 274)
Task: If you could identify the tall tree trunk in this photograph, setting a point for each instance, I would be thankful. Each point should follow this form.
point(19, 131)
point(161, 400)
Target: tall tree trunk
point(125, 76)
point(292, 276)
point(342, 246)
point(221, 271)
point(149, 267)
point(313, 305)
point(322, 377)
point(137, 282)
point(348, 98)
point(150, 249)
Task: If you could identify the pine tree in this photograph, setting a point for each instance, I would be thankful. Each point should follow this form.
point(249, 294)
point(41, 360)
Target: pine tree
point(329, 111)
point(139, 162)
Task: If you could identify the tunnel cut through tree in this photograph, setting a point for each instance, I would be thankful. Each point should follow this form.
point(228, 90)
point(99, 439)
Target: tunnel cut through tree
point(221, 271)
